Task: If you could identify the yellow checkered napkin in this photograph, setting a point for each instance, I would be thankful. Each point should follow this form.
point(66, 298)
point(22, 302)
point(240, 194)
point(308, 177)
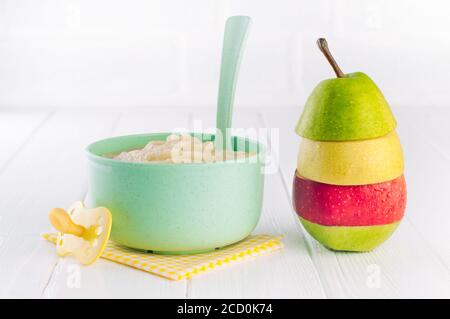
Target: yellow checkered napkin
point(185, 266)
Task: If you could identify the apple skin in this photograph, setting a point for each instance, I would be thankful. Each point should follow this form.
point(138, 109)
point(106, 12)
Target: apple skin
point(358, 205)
point(346, 109)
point(351, 162)
point(350, 238)
point(350, 218)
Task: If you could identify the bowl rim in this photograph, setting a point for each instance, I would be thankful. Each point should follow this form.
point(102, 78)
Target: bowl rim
point(105, 160)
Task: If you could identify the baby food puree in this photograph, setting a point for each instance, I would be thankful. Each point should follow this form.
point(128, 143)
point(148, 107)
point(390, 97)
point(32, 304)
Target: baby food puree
point(179, 149)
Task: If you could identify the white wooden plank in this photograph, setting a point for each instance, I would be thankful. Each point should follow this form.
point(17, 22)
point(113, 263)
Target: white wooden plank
point(106, 279)
point(425, 137)
point(48, 171)
point(405, 265)
point(16, 128)
point(289, 273)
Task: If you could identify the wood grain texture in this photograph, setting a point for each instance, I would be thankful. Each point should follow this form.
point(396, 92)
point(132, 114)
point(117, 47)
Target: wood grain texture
point(425, 137)
point(289, 273)
point(107, 279)
point(48, 171)
point(405, 266)
point(16, 128)
point(43, 165)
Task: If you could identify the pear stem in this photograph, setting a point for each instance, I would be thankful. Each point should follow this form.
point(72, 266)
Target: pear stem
point(323, 46)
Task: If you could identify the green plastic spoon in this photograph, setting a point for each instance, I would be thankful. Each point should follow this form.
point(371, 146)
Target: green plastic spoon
point(233, 43)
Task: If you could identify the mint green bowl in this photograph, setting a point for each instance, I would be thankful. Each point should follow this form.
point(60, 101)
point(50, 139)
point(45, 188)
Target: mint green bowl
point(176, 208)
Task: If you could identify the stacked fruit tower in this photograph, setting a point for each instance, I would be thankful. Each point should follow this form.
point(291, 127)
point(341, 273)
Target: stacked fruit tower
point(349, 190)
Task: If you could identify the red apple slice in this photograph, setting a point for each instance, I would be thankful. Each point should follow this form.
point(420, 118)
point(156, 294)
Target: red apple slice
point(361, 205)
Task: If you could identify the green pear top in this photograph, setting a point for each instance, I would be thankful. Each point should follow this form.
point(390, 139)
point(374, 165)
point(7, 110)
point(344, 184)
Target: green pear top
point(349, 107)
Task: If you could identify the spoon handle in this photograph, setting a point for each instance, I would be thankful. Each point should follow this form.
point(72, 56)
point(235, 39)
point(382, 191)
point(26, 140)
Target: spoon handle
point(234, 39)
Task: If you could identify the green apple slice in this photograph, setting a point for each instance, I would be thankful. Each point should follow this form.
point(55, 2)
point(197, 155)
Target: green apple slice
point(350, 238)
point(349, 107)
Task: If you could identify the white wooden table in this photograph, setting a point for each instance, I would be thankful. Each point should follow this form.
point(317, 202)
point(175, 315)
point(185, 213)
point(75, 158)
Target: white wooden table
point(42, 165)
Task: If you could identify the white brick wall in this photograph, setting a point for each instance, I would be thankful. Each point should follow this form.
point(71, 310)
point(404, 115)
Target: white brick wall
point(82, 53)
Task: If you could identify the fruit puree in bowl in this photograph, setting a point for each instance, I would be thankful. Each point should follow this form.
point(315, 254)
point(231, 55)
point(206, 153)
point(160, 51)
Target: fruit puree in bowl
point(179, 149)
point(183, 208)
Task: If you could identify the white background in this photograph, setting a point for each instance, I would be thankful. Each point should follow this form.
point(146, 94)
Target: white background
point(72, 72)
point(117, 53)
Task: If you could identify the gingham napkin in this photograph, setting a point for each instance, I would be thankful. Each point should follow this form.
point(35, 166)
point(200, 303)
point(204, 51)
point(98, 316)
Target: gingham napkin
point(186, 266)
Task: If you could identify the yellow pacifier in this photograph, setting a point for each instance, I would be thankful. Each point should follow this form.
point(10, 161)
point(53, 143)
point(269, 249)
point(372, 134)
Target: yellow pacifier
point(83, 232)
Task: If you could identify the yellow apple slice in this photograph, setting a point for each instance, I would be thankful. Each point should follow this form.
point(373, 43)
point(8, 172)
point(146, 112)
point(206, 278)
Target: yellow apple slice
point(351, 162)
